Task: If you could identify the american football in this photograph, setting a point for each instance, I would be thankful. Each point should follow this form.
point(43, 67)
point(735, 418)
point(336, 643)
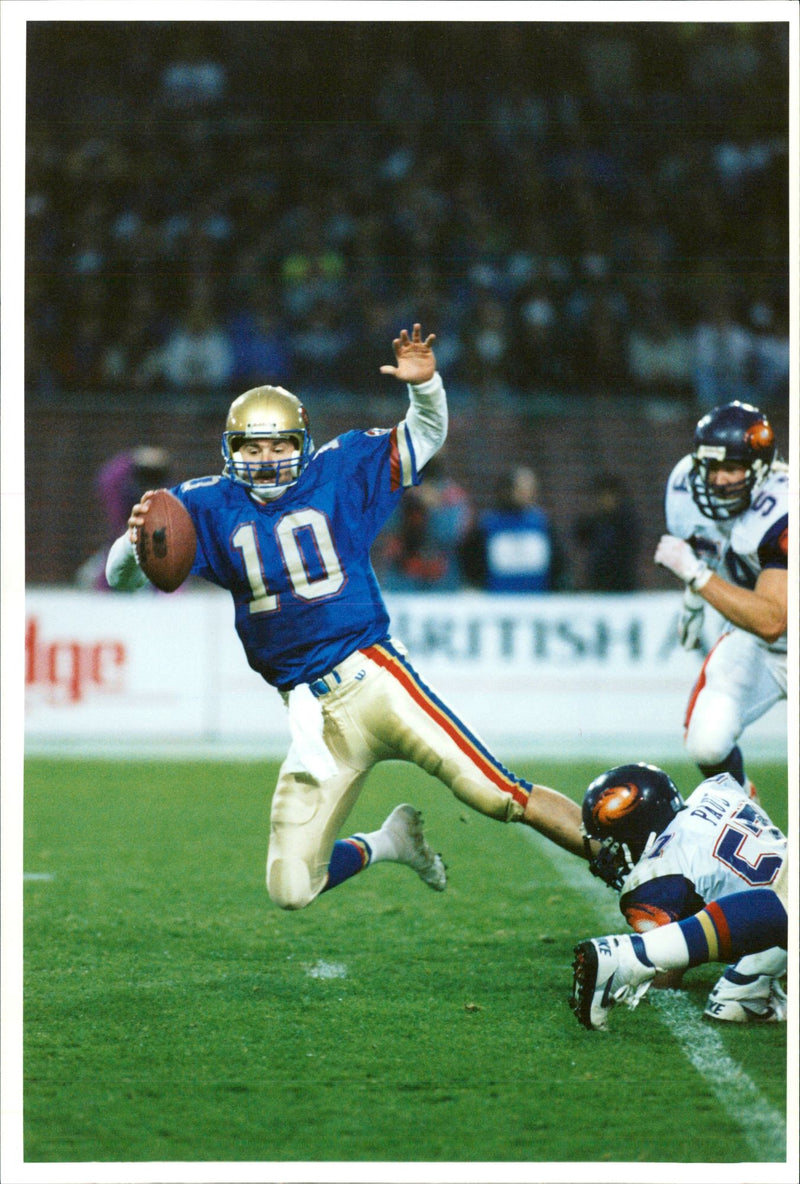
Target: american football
point(167, 542)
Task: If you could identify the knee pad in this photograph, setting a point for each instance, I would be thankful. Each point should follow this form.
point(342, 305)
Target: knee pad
point(289, 884)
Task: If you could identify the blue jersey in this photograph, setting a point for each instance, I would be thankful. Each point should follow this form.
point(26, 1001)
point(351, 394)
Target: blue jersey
point(518, 550)
point(298, 567)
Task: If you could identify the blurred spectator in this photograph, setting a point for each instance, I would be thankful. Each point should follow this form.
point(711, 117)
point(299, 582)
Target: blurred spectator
point(420, 549)
point(119, 484)
point(194, 77)
point(403, 96)
point(659, 351)
point(321, 346)
point(312, 270)
point(131, 359)
point(89, 254)
point(535, 173)
point(518, 116)
point(610, 537)
point(723, 352)
point(80, 354)
point(772, 353)
point(450, 510)
point(259, 341)
point(409, 560)
point(513, 547)
point(542, 358)
point(487, 362)
point(600, 361)
point(197, 355)
point(42, 330)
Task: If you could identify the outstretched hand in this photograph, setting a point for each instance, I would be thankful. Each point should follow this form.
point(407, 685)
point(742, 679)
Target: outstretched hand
point(415, 359)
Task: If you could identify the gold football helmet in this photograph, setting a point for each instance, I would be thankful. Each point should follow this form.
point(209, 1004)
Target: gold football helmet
point(266, 412)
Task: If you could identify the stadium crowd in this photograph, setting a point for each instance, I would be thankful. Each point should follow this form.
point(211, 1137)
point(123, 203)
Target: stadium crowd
point(575, 208)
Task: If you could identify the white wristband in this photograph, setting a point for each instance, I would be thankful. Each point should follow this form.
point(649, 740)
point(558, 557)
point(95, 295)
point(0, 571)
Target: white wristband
point(701, 577)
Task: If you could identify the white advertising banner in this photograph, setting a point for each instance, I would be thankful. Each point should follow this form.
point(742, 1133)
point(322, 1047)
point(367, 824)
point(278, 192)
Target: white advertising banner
point(560, 674)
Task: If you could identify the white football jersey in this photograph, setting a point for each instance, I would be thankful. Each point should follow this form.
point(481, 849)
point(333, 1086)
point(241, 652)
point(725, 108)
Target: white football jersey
point(722, 842)
point(741, 547)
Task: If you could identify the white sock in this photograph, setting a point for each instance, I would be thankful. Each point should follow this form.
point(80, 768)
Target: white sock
point(379, 843)
point(666, 947)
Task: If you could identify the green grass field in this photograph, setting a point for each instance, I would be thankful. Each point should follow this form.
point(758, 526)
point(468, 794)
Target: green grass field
point(173, 1014)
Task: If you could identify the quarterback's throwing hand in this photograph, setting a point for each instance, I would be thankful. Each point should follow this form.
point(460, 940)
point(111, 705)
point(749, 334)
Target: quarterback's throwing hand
point(136, 517)
point(415, 360)
point(680, 559)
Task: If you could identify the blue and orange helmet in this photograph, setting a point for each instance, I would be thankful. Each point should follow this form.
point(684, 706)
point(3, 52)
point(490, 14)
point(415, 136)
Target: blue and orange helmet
point(624, 809)
point(735, 432)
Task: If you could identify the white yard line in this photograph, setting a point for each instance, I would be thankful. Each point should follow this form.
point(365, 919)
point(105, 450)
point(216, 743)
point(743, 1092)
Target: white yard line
point(763, 1127)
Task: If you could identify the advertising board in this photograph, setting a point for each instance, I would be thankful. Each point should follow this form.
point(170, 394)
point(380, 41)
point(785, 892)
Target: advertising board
point(531, 674)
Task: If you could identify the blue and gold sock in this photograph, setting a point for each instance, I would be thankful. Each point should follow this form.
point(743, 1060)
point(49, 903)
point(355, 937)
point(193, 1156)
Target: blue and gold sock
point(348, 858)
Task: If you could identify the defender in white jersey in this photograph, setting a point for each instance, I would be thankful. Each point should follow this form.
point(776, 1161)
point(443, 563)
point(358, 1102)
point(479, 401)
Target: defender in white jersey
point(728, 541)
point(669, 858)
point(287, 530)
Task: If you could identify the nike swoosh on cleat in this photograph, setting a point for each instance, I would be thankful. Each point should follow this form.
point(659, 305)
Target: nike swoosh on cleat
point(604, 1002)
point(757, 1016)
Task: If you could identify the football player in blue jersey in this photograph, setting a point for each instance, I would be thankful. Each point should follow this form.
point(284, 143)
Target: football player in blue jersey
point(727, 515)
point(287, 529)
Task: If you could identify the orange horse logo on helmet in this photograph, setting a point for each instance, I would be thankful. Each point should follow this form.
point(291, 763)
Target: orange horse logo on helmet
point(615, 802)
point(760, 435)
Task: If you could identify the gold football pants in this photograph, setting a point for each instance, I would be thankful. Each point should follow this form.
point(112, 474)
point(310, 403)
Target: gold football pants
point(375, 708)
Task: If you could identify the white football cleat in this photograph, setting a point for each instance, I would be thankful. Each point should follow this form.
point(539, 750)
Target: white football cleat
point(759, 999)
point(404, 830)
point(606, 972)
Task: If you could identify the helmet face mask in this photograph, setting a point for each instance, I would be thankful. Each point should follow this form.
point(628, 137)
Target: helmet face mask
point(613, 863)
point(624, 810)
point(266, 412)
point(737, 433)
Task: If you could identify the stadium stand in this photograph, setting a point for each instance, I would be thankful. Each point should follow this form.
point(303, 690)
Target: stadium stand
point(592, 217)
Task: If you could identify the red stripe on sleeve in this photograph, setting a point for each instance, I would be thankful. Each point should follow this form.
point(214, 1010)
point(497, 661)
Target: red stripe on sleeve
point(394, 462)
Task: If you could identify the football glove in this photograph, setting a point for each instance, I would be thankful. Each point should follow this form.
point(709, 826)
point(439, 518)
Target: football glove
point(680, 559)
point(690, 621)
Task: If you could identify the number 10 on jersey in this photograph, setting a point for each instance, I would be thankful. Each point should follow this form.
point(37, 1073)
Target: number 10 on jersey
point(308, 527)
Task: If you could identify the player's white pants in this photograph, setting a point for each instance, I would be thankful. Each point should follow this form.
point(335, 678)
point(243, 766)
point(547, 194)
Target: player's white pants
point(739, 682)
point(378, 710)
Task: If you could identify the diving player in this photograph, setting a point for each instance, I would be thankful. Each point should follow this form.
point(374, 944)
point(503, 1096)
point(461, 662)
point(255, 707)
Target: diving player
point(621, 969)
point(669, 859)
point(727, 517)
point(288, 530)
